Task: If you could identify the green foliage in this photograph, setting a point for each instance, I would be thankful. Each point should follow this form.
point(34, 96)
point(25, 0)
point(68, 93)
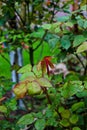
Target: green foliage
point(49, 101)
point(26, 120)
point(3, 109)
point(82, 48)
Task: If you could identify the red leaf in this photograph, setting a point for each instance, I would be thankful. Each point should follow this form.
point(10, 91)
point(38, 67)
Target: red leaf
point(46, 64)
point(48, 2)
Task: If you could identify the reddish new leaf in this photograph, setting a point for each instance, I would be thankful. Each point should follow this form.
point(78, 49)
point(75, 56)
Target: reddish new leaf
point(48, 2)
point(46, 64)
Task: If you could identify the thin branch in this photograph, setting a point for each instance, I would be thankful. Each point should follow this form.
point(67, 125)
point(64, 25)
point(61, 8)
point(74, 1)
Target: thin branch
point(41, 40)
point(14, 10)
point(80, 61)
point(29, 19)
point(46, 30)
point(19, 16)
point(85, 66)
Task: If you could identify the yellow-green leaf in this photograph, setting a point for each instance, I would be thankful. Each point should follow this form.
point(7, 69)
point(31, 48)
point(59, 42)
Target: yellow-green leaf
point(76, 128)
point(65, 113)
point(3, 109)
point(74, 119)
point(34, 88)
point(82, 48)
point(44, 82)
point(26, 120)
point(26, 68)
point(64, 122)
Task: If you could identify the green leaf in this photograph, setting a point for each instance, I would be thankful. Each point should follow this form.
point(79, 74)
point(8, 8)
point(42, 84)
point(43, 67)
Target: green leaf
point(82, 94)
point(69, 24)
point(85, 24)
point(37, 72)
point(44, 82)
point(26, 120)
point(74, 119)
point(63, 18)
point(65, 113)
point(3, 109)
point(51, 122)
point(34, 88)
point(57, 30)
point(40, 124)
point(46, 26)
point(26, 68)
point(82, 48)
point(49, 113)
point(78, 105)
point(65, 42)
point(64, 122)
point(12, 104)
point(38, 34)
point(53, 42)
point(85, 84)
point(78, 40)
point(27, 75)
point(76, 128)
point(72, 87)
point(61, 109)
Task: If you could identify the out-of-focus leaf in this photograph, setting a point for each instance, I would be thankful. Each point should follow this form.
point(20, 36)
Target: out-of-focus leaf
point(65, 113)
point(83, 2)
point(26, 120)
point(46, 26)
point(76, 128)
point(85, 84)
point(64, 122)
point(3, 109)
point(65, 42)
point(12, 104)
point(63, 18)
point(82, 48)
point(69, 24)
point(82, 94)
point(78, 40)
point(38, 34)
point(40, 124)
point(53, 42)
point(77, 105)
point(74, 119)
point(61, 109)
point(85, 24)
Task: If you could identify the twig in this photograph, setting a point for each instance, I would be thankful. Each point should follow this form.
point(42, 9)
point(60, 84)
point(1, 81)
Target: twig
point(41, 40)
point(19, 16)
point(80, 61)
point(46, 30)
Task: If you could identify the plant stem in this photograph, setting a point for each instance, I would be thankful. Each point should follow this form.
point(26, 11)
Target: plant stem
point(41, 40)
point(48, 98)
point(80, 61)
